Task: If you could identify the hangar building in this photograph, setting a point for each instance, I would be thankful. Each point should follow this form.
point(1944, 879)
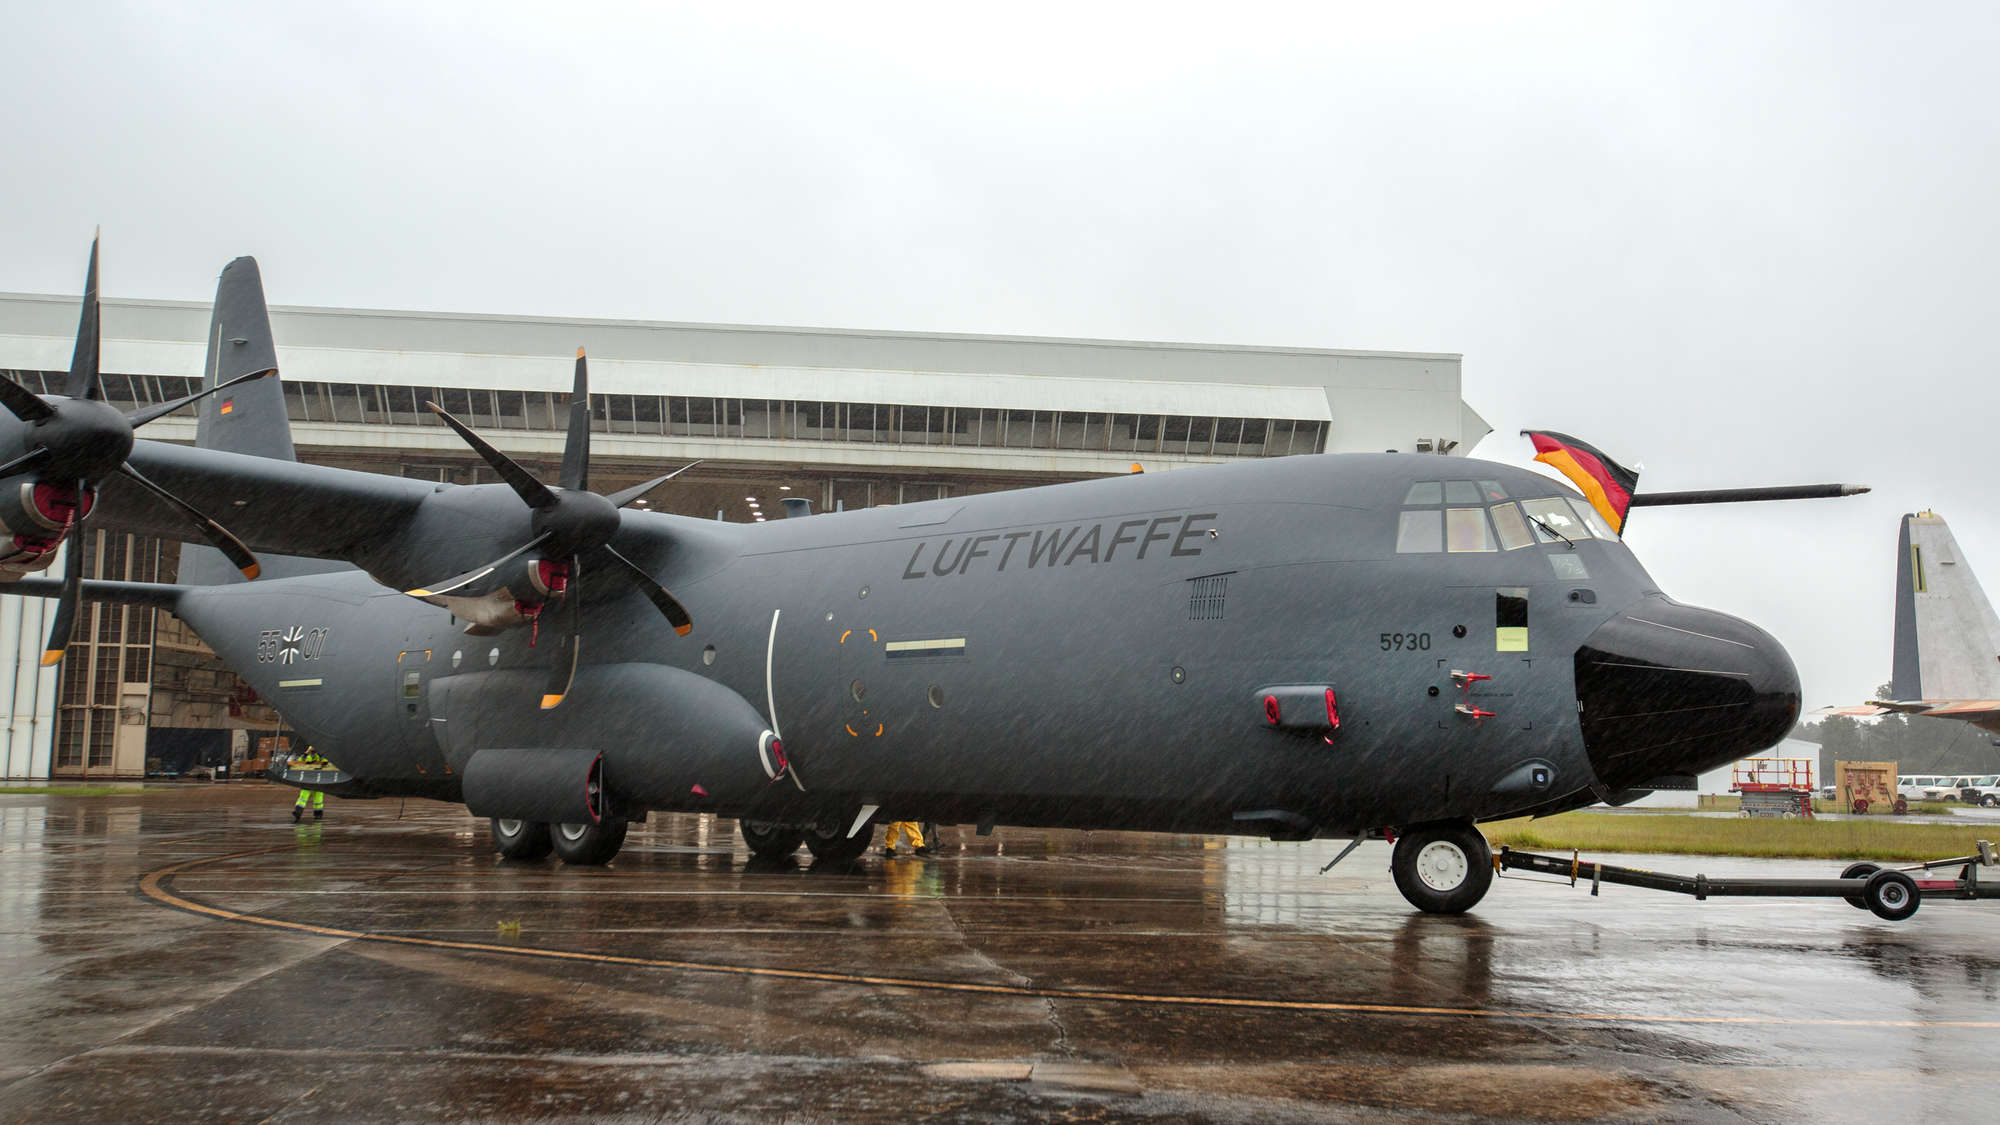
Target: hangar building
point(844, 418)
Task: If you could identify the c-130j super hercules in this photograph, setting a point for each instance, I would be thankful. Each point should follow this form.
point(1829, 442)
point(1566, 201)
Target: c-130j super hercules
point(1324, 645)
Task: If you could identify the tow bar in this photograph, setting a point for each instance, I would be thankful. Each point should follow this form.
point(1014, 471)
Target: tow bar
point(1890, 892)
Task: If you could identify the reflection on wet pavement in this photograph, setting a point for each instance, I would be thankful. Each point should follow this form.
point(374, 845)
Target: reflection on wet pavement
point(387, 965)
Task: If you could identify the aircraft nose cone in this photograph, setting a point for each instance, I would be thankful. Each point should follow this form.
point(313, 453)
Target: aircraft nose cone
point(1666, 688)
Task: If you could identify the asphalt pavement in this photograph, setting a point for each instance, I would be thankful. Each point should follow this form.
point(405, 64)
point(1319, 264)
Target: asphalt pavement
point(190, 954)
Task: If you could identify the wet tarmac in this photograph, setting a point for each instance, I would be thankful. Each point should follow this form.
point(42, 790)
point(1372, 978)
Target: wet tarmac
point(191, 955)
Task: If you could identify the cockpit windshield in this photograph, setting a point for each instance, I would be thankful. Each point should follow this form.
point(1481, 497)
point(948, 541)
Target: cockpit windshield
point(1463, 516)
point(1554, 518)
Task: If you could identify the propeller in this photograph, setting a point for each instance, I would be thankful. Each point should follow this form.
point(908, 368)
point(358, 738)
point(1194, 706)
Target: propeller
point(80, 440)
point(570, 525)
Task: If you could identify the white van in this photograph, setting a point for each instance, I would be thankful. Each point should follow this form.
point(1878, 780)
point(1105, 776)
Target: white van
point(1911, 786)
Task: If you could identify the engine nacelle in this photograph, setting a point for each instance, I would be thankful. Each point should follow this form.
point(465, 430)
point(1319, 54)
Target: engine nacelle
point(509, 596)
point(34, 519)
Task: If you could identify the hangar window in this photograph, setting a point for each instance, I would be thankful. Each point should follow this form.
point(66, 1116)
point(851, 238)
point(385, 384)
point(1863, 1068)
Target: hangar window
point(1420, 531)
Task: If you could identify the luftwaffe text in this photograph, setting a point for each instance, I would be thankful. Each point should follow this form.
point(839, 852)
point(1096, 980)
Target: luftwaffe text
point(1175, 536)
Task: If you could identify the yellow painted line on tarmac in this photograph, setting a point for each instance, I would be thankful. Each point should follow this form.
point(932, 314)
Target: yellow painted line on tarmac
point(153, 886)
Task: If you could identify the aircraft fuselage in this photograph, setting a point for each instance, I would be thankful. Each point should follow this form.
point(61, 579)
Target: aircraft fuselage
point(1096, 655)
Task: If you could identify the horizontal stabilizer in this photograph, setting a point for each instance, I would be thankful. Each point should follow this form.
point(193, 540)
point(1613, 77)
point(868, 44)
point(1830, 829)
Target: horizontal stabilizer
point(161, 595)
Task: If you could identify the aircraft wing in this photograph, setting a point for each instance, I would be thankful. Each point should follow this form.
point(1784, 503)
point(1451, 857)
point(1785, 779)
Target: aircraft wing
point(1984, 713)
point(282, 507)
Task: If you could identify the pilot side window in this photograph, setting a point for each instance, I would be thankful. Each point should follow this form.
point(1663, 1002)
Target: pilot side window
point(1420, 531)
point(1465, 529)
point(1425, 492)
point(1512, 528)
point(1592, 520)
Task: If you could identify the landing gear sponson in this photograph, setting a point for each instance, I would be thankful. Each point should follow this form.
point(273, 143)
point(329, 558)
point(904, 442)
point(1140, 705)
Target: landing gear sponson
point(582, 844)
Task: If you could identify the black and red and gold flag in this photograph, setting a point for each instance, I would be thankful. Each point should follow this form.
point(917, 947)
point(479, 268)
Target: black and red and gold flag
point(1608, 484)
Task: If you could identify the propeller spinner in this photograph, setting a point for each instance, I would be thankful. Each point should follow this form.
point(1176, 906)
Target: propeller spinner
point(72, 443)
point(571, 524)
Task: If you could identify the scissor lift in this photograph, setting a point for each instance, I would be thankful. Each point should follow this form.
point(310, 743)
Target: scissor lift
point(1892, 893)
point(1774, 787)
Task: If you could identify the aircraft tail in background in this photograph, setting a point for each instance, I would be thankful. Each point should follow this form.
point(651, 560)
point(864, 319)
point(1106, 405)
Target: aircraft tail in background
point(1947, 654)
point(246, 419)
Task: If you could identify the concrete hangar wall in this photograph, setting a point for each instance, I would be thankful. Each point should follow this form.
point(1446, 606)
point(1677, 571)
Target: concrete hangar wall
point(841, 417)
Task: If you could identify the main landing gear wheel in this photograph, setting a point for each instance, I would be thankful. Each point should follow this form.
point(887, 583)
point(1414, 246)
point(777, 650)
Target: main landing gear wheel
point(590, 845)
point(1892, 895)
point(830, 843)
point(769, 840)
point(521, 839)
point(1442, 868)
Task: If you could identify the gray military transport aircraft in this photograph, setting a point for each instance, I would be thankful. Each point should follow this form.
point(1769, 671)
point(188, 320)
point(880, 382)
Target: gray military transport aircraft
point(1312, 646)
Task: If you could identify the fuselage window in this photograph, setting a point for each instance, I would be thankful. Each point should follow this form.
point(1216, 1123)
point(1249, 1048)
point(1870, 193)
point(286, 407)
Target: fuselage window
point(1465, 530)
point(1461, 492)
point(1554, 515)
point(1425, 492)
point(1512, 528)
point(1420, 531)
point(1592, 520)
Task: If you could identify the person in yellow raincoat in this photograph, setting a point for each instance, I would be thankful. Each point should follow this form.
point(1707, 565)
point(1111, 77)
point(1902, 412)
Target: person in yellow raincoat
point(310, 760)
point(899, 829)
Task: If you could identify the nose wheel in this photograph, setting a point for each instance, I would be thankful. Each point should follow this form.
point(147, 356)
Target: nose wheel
point(1442, 868)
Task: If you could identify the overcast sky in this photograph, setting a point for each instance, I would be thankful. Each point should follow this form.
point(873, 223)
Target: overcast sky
point(1738, 243)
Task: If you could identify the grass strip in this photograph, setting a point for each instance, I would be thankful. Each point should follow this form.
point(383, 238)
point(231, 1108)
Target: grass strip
point(1695, 835)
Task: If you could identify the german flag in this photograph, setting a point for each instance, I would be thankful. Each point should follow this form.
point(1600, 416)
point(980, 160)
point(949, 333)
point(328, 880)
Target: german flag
point(1608, 484)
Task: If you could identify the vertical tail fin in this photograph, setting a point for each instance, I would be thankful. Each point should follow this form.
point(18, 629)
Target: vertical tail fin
point(251, 418)
point(1947, 636)
point(247, 419)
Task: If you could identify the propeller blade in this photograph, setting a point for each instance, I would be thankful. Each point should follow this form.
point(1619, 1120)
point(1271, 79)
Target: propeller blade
point(218, 536)
point(668, 605)
point(72, 595)
point(83, 381)
point(23, 461)
point(562, 673)
point(478, 573)
point(620, 499)
point(521, 480)
point(146, 414)
point(24, 403)
point(576, 447)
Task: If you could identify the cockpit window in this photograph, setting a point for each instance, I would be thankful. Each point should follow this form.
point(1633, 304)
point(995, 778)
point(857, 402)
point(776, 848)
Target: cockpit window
point(1461, 492)
point(1465, 529)
point(1492, 490)
point(1426, 492)
point(1554, 515)
point(1420, 530)
point(1592, 520)
point(1512, 528)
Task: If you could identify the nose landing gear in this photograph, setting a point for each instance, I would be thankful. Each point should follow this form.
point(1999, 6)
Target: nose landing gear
point(1444, 867)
